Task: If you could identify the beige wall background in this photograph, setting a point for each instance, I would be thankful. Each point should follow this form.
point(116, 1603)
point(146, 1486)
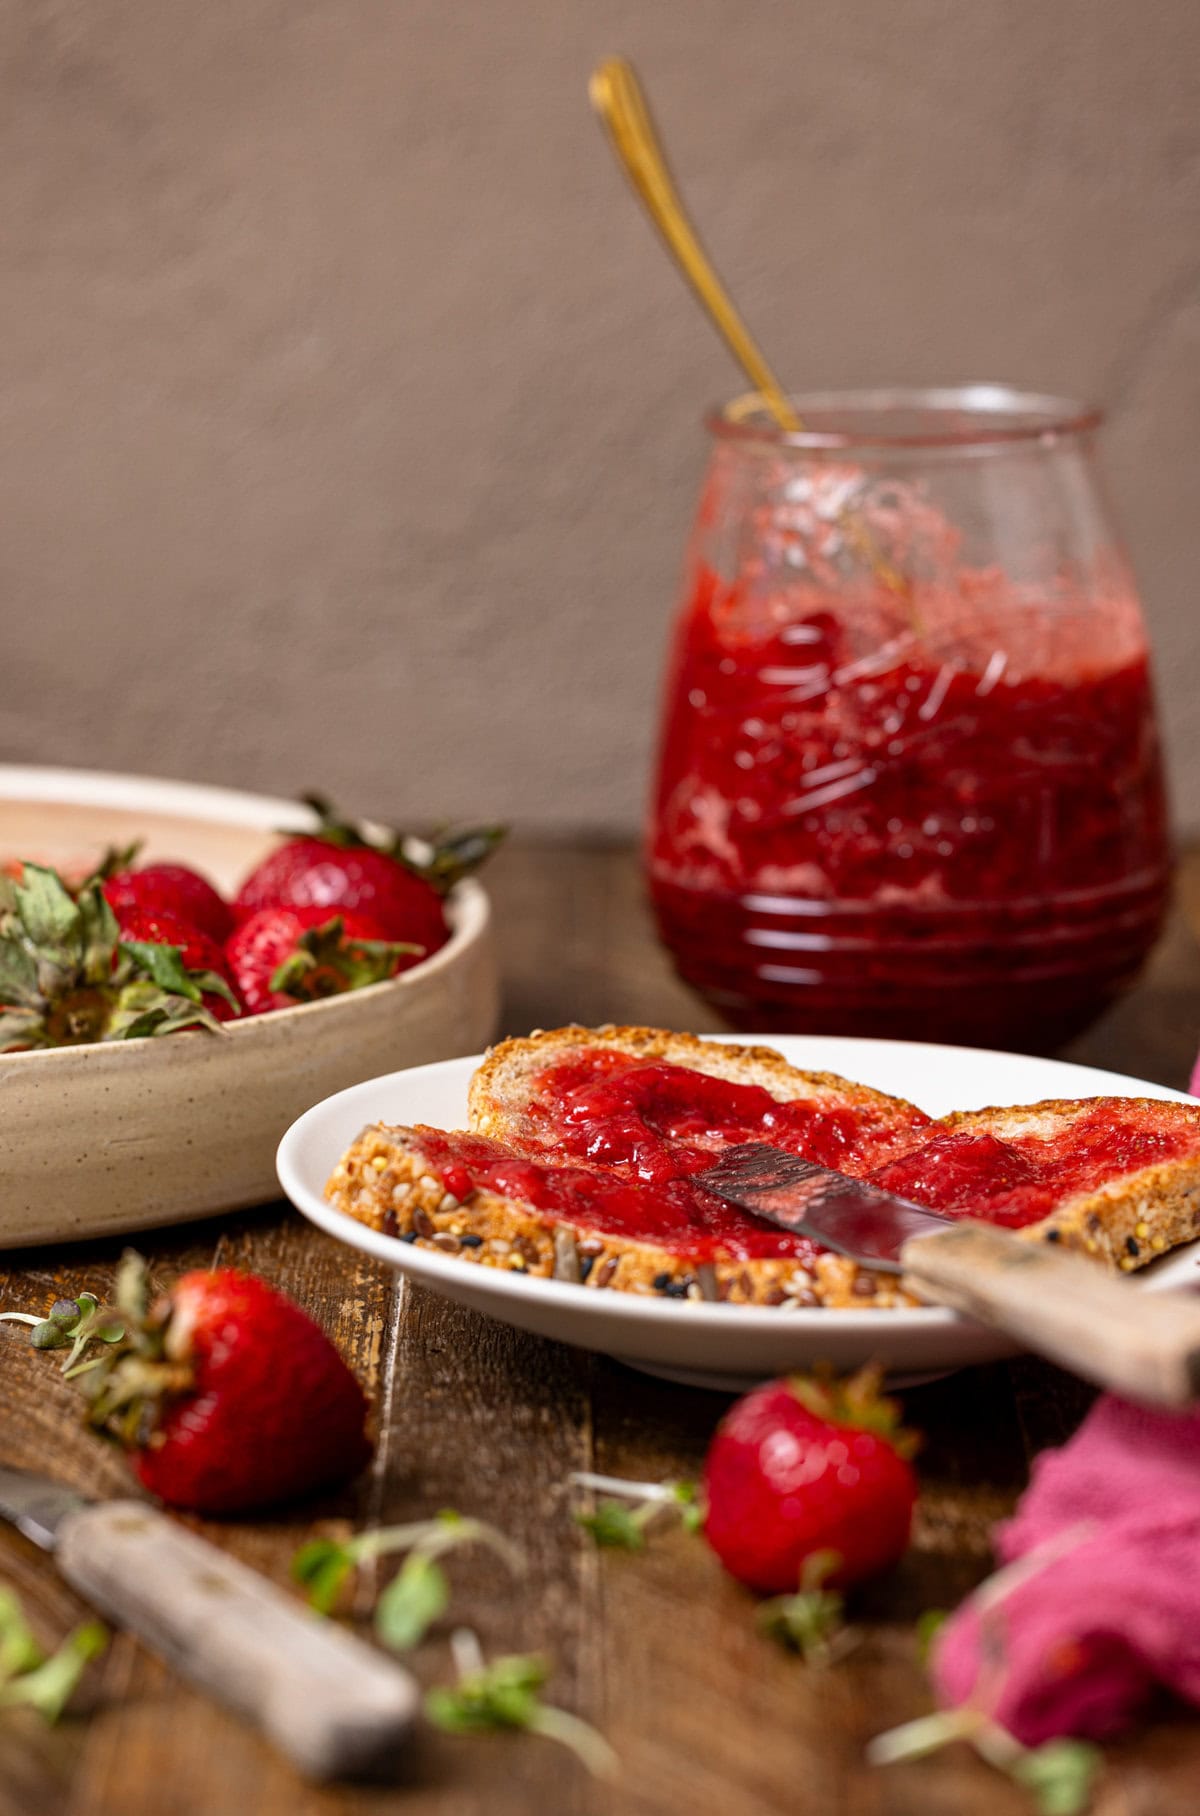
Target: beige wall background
point(349, 410)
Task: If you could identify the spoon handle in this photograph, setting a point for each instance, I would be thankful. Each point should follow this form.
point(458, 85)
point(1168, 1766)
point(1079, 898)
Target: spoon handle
point(618, 98)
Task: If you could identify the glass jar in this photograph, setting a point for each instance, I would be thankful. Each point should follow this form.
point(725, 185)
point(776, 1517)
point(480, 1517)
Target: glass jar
point(909, 780)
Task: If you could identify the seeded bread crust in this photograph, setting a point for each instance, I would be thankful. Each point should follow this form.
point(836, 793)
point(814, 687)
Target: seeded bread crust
point(1127, 1223)
point(502, 1086)
point(382, 1181)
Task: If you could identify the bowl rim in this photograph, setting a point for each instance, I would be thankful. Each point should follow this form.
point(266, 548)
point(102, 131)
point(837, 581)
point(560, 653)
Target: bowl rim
point(468, 904)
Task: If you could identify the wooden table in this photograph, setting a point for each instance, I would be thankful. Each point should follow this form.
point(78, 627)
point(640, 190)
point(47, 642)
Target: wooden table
point(658, 1649)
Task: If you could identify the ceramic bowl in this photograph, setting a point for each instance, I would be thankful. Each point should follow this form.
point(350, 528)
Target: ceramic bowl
point(130, 1135)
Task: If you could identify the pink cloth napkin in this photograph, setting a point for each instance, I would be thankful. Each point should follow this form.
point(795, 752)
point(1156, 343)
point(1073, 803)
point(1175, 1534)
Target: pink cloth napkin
point(1100, 1597)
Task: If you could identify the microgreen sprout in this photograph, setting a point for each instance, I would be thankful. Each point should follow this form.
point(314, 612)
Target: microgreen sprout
point(419, 1592)
point(506, 1694)
point(810, 1621)
point(71, 1324)
point(27, 1676)
point(614, 1524)
point(1060, 1775)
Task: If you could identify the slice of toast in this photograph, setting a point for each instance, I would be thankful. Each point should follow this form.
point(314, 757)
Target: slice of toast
point(1118, 1178)
point(1123, 1174)
point(391, 1179)
point(507, 1097)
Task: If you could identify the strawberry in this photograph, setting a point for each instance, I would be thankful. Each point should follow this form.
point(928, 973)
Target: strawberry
point(281, 956)
point(68, 976)
point(226, 1395)
point(804, 1467)
point(340, 867)
point(170, 889)
point(142, 929)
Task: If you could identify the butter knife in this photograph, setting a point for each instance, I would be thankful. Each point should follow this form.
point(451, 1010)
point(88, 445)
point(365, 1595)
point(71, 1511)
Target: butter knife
point(1144, 1345)
point(334, 1705)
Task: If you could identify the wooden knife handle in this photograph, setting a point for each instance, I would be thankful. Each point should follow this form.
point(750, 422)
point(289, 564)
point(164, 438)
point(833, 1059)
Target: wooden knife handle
point(336, 1707)
point(1143, 1345)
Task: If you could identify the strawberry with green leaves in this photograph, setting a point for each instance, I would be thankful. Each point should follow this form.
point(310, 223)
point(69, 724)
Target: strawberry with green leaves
point(69, 975)
point(284, 956)
point(150, 932)
point(340, 867)
point(224, 1393)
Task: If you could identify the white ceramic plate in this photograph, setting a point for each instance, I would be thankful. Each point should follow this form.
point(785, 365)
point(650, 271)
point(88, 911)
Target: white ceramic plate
point(708, 1345)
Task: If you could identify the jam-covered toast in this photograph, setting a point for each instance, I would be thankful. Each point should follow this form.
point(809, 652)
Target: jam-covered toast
point(544, 1183)
point(577, 1166)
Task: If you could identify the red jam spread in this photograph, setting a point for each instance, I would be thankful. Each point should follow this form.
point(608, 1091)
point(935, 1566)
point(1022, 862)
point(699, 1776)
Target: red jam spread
point(944, 817)
point(673, 1214)
point(658, 1120)
point(1022, 1179)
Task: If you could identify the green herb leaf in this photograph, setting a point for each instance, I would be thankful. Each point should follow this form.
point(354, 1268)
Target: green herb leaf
point(613, 1524)
point(19, 1650)
point(505, 1695)
point(412, 1601)
point(500, 1695)
point(49, 1686)
point(323, 1565)
point(929, 1625)
point(1060, 1775)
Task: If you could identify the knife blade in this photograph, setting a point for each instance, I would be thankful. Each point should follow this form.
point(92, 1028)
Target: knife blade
point(333, 1704)
point(850, 1216)
point(1144, 1345)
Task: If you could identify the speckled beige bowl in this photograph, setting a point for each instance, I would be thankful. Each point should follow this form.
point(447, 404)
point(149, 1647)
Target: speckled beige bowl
point(106, 1138)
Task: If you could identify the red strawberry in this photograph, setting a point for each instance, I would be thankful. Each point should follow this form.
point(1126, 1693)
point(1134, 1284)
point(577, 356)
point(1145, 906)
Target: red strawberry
point(311, 873)
point(802, 1467)
point(170, 889)
point(228, 1396)
point(343, 866)
point(281, 956)
point(197, 951)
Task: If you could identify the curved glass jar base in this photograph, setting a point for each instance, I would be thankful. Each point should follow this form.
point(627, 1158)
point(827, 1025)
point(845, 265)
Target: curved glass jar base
point(1024, 976)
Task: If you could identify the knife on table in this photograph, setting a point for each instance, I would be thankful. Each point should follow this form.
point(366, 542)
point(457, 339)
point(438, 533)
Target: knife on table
point(334, 1705)
point(1144, 1345)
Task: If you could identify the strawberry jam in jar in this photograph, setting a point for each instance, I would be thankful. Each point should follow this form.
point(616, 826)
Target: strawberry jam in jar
point(909, 781)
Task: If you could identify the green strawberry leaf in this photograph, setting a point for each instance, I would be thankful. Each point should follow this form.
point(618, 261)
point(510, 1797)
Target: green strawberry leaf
point(48, 911)
point(20, 1028)
point(142, 1009)
point(99, 934)
point(164, 965)
point(117, 858)
point(327, 961)
point(412, 1601)
point(457, 854)
point(18, 974)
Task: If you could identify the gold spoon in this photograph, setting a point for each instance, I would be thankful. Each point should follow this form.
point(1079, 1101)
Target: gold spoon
point(618, 98)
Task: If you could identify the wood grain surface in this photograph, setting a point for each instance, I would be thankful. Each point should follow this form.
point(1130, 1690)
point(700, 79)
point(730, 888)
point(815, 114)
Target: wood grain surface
point(658, 1649)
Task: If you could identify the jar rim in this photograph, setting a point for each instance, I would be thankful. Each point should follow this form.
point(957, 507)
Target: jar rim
point(975, 414)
